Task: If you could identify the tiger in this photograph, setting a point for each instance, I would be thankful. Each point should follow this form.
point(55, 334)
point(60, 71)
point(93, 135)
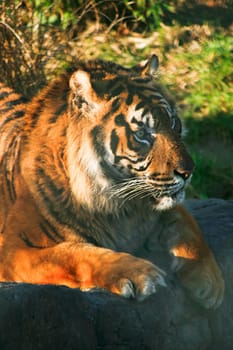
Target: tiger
point(90, 168)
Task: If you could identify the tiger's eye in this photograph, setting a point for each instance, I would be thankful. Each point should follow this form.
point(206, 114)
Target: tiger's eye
point(140, 133)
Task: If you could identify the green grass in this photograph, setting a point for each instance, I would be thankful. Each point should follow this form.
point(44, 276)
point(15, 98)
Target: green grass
point(210, 140)
point(209, 117)
point(212, 93)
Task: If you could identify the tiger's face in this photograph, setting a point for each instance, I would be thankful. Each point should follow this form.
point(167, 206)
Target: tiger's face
point(133, 147)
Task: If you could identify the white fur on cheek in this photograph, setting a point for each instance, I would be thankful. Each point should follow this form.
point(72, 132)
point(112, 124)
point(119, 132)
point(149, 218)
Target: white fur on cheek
point(86, 176)
point(90, 162)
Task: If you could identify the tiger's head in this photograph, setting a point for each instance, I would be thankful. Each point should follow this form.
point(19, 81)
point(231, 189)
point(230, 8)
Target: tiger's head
point(125, 136)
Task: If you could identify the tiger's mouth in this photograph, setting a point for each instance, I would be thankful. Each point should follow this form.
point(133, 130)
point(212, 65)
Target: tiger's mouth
point(170, 196)
point(161, 195)
point(166, 202)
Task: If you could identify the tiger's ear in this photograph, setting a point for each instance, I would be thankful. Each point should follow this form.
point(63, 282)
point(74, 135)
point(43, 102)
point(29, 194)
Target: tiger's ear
point(80, 84)
point(150, 67)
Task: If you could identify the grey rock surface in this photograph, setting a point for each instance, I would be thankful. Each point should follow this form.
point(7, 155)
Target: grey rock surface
point(56, 317)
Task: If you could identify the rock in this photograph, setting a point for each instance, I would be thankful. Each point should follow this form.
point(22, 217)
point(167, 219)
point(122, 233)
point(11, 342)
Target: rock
point(55, 317)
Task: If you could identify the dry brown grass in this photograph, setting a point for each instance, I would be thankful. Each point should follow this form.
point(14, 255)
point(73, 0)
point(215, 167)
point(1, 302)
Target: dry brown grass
point(29, 50)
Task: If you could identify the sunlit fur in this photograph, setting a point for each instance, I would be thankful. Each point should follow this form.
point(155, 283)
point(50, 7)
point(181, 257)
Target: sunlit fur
point(90, 168)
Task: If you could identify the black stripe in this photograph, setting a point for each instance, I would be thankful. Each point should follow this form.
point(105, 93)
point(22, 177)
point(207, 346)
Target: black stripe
point(5, 94)
point(98, 75)
point(132, 145)
point(50, 231)
point(50, 184)
point(143, 168)
point(37, 112)
point(146, 88)
point(118, 158)
point(53, 207)
point(97, 135)
point(14, 116)
point(135, 121)
point(10, 172)
point(4, 166)
point(114, 141)
point(141, 81)
point(117, 90)
point(58, 113)
point(47, 233)
point(54, 198)
point(101, 87)
point(140, 105)
point(145, 111)
point(98, 142)
point(129, 99)
point(115, 106)
point(89, 239)
point(65, 215)
point(120, 120)
point(28, 242)
point(19, 100)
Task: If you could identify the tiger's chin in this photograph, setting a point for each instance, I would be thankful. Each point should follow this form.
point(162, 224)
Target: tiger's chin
point(167, 202)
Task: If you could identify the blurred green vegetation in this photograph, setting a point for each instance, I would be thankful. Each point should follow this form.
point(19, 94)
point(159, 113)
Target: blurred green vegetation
point(213, 64)
point(193, 40)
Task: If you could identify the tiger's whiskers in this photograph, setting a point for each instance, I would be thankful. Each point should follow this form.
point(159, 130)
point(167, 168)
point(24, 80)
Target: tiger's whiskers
point(131, 189)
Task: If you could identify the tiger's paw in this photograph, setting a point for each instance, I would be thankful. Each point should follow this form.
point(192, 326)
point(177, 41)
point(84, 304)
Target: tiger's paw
point(204, 283)
point(135, 278)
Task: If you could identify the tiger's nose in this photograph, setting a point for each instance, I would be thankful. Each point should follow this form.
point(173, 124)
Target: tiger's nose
point(185, 169)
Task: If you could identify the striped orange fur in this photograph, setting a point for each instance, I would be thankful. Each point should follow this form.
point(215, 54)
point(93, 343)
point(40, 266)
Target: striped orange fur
point(90, 168)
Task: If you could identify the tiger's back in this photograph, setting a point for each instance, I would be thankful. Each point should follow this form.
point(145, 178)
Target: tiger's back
point(12, 112)
point(23, 140)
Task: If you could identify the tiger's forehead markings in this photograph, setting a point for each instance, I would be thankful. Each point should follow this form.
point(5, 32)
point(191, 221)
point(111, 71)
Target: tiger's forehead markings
point(138, 116)
point(159, 100)
point(170, 112)
point(136, 113)
point(156, 98)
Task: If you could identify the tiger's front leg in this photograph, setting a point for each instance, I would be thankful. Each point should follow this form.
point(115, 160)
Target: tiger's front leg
point(193, 261)
point(85, 266)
